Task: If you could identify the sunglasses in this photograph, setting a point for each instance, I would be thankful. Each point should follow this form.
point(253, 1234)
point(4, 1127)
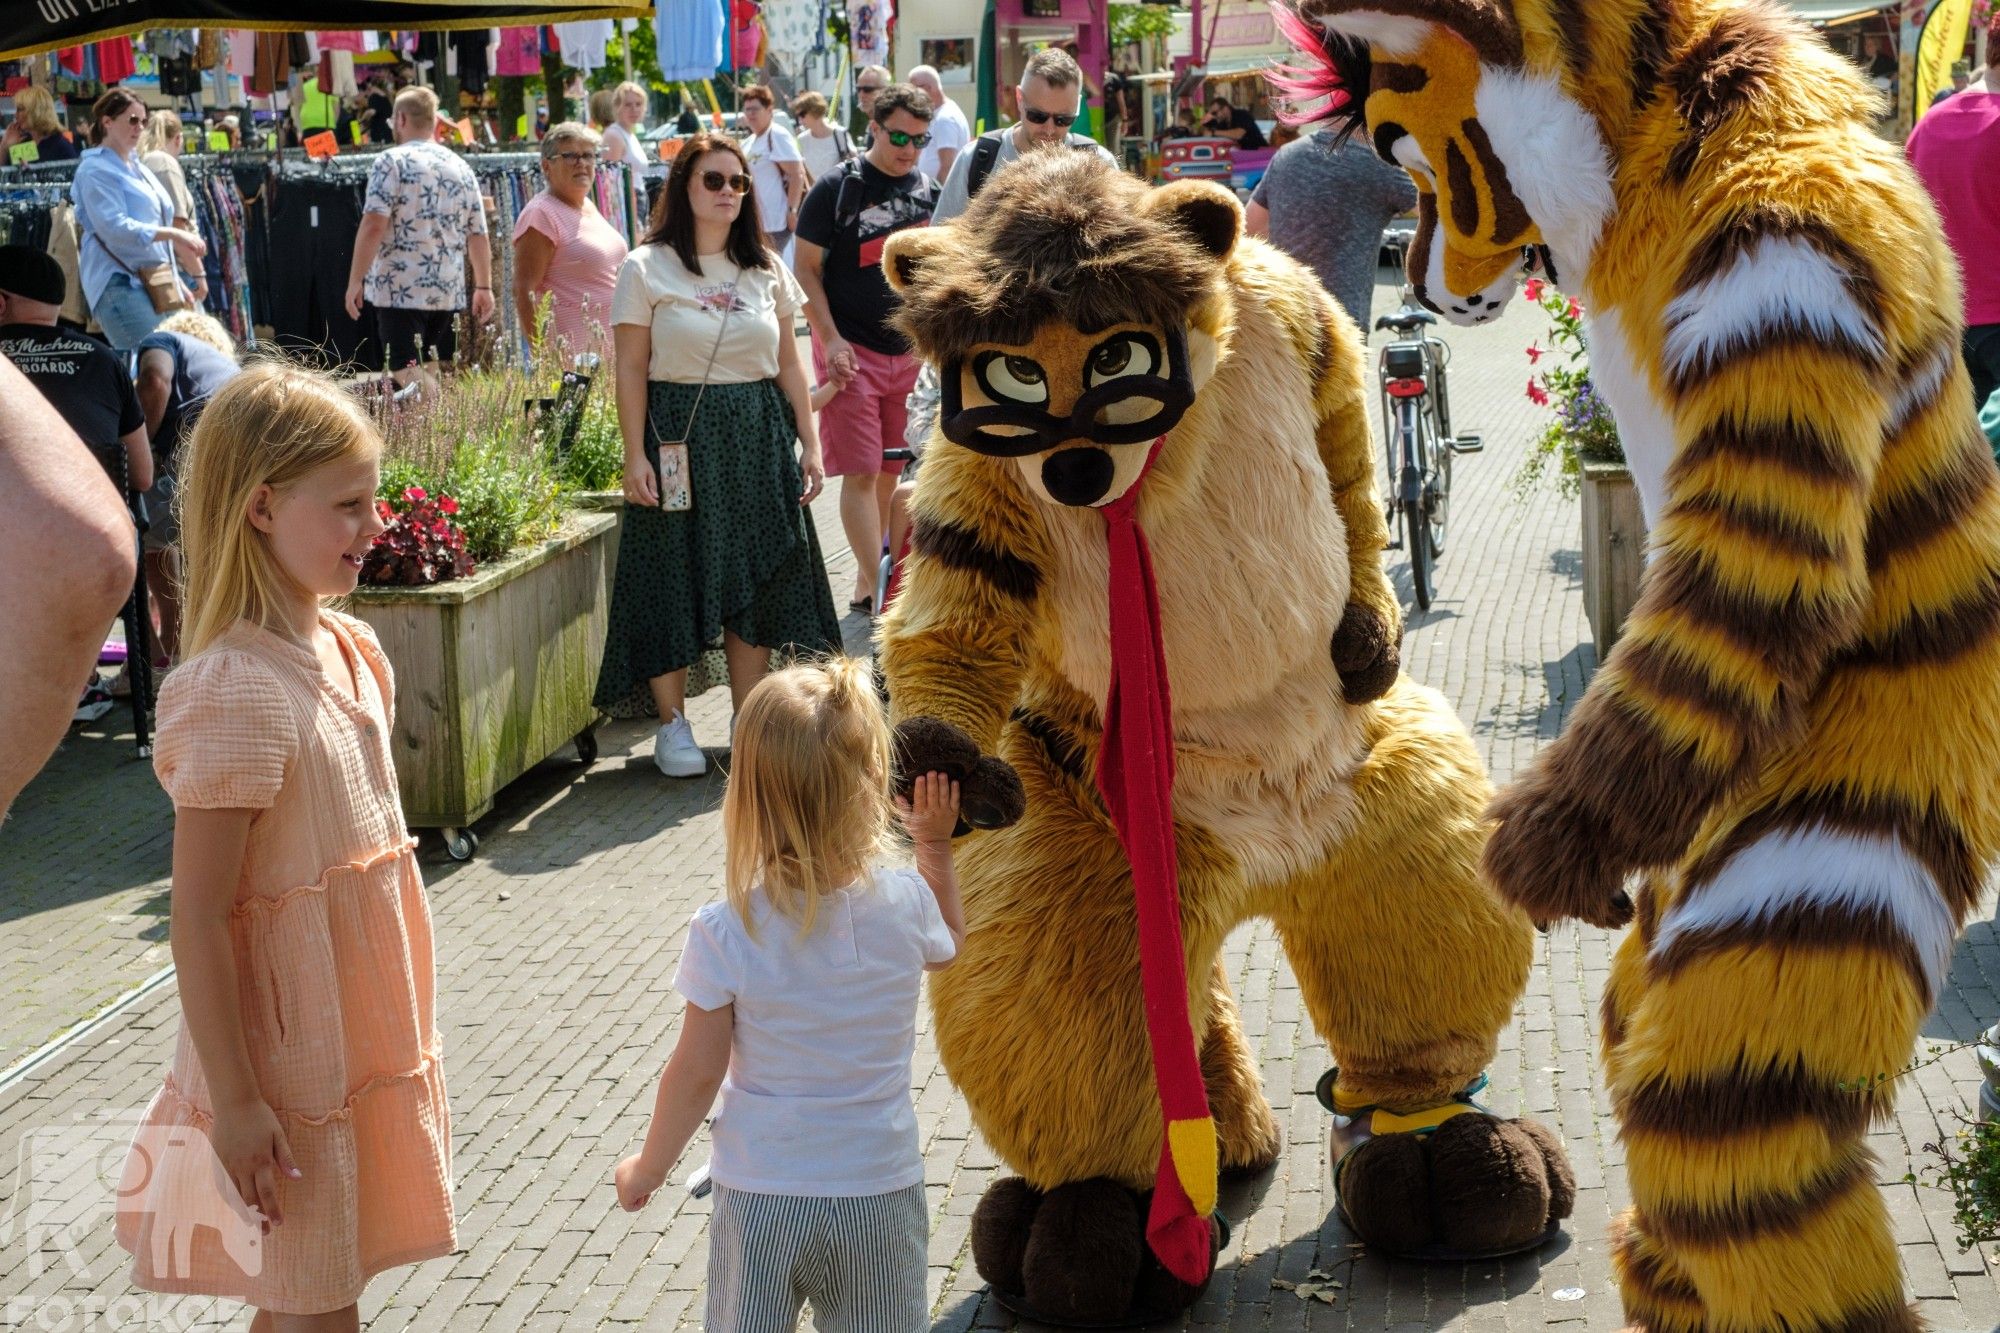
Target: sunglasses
point(716, 182)
point(1036, 116)
point(136, 119)
point(869, 88)
point(574, 159)
point(902, 140)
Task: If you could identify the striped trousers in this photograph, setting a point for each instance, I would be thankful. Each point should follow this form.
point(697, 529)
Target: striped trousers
point(859, 1260)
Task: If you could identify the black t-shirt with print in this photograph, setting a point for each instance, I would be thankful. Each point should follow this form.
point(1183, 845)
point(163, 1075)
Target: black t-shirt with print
point(84, 380)
point(857, 295)
point(1239, 119)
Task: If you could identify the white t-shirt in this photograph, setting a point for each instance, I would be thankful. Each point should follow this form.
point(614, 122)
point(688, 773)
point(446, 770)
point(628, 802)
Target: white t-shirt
point(948, 130)
point(817, 1100)
point(767, 150)
point(822, 152)
point(684, 310)
point(635, 151)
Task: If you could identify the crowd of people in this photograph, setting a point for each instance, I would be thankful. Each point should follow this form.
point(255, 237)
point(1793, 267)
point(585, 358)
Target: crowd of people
point(259, 484)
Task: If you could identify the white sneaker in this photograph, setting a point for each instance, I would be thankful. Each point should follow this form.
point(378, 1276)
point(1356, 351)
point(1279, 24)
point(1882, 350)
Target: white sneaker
point(674, 751)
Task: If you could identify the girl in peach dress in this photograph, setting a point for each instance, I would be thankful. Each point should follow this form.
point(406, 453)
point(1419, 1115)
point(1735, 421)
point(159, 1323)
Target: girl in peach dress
point(301, 1143)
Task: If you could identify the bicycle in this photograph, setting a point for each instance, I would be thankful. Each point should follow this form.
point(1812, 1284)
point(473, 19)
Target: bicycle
point(1418, 443)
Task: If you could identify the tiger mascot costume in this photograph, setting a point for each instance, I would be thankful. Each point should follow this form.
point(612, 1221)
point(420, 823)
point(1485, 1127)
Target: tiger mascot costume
point(1109, 354)
point(1794, 743)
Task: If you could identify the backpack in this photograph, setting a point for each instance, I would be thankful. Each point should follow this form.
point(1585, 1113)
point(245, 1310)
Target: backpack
point(847, 202)
point(986, 155)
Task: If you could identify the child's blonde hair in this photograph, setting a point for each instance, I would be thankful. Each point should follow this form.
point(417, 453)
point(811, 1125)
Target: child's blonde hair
point(271, 425)
point(808, 805)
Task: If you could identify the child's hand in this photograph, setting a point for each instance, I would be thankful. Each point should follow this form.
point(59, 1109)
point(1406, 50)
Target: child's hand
point(251, 1146)
point(931, 812)
point(636, 1182)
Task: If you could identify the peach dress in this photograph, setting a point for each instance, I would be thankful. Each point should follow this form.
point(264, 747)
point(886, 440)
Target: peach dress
point(335, 976)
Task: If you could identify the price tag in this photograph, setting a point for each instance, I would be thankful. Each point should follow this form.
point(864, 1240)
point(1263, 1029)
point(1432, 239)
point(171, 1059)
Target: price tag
point(218, 142)
point(322, 144)
point(22, 153)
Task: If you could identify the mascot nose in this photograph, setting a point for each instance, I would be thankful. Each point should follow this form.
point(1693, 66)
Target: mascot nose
point(1078, 476)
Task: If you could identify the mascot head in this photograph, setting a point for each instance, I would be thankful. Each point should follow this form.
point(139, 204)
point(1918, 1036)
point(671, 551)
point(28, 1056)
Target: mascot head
point(1499, 129)
point(1072, 316)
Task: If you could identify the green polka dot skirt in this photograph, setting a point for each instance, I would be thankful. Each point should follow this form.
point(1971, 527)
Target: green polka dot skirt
point(745, 558)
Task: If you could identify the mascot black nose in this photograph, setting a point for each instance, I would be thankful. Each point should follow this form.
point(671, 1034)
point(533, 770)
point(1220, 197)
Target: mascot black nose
point(1078, 476)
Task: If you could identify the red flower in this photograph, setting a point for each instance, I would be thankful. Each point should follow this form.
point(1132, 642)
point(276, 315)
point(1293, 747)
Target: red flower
point(1575, 311)
point(1536, 353)
point(447, 505)
point(1533, 291)
point(416, 494)
point(1536, 394)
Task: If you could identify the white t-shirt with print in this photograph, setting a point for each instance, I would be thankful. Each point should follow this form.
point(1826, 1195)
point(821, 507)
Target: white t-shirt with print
point(948, 130)
point(767, 150)
point(817, 1100)
point(684, 310)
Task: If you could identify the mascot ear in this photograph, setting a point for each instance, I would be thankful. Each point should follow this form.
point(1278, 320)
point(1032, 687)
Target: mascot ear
point(1209, 214)
point(910, 259)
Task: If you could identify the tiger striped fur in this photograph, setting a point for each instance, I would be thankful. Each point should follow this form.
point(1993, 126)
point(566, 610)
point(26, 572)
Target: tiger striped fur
point(1794, 741)
point(1315, 785)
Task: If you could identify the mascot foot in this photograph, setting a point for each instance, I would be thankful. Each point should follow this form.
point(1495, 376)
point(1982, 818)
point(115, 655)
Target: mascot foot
point(1075, 1255)
point(1465, 1185)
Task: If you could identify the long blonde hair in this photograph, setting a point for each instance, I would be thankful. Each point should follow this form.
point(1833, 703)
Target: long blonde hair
point(807, 808)
point(35, 112)
point(271, 425)
point(162, 129)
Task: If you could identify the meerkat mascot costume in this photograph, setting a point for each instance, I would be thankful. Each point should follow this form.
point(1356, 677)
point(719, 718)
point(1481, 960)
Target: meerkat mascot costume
point(1796, 738)
point(1146, 625)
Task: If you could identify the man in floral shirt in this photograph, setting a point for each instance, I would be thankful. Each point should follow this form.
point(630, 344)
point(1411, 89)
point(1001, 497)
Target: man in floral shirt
point(421, 220)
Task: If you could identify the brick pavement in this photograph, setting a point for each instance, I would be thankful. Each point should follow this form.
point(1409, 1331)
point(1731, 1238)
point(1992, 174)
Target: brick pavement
point(556, 950)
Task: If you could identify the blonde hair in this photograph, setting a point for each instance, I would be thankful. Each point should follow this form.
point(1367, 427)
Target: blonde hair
point(202, 328)
point(161, 130)
point(35, 112)
point(807, 807)
point(270, 426)
point(418, 105)
point(808, 103)
point(630, 89)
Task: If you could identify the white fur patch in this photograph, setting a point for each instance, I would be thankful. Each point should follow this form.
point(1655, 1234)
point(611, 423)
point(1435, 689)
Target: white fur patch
point(1556, 161)
point(1779, 281)
point(1644, 427)
point(1818, 866)
point(1397, 34)
point(1918, 392)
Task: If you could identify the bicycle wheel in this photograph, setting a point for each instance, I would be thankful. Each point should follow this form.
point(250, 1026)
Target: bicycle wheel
point(1417, 533)
point(1437, 503)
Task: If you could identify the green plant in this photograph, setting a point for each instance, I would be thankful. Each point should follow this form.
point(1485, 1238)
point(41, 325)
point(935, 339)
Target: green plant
point(1583, 429)
point(473, 441)
point(1137, 23)
point(596, 458)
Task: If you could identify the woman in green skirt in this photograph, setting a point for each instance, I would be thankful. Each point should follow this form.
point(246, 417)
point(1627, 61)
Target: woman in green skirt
point(718, 557)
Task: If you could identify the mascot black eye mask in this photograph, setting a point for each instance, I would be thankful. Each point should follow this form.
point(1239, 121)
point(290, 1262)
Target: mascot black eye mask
point(1014, 425)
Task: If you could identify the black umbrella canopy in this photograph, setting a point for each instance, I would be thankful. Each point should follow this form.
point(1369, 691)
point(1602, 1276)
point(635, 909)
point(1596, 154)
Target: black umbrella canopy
point(29, 27)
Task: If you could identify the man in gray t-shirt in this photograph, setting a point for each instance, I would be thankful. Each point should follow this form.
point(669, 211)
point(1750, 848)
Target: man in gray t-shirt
point(1325, 204)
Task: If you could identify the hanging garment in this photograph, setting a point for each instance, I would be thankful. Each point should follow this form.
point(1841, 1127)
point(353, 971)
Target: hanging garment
point(687, 37)
point(178, 76)
point(520, 53)
point(242, 52)
point(792, 29)
point(115, 63)
point(339, 41)
point(208, 48)
point(583, 43)
point(170, 43)
point(471, 47)
point(71, 58)
point(747, 32)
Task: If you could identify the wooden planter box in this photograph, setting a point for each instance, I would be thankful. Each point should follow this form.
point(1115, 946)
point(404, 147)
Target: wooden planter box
point(494, 673)
point(1614, 550)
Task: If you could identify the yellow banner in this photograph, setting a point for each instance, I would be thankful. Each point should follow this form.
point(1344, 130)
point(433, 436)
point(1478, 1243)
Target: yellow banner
point(1941, 43)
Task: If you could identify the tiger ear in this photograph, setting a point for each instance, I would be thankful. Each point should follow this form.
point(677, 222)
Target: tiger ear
point(1401, 27)
point(1209, 214)
point(914, 257)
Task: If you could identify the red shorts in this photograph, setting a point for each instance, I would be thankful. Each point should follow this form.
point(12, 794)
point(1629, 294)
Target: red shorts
point(867, 416)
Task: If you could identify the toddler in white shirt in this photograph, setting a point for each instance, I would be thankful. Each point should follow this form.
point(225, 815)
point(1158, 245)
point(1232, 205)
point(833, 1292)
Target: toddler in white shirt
point(802, 994)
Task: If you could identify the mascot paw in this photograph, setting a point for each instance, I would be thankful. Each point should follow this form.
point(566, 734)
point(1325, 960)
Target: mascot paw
point(1366, 654)
point(1075, 1255)
point(1547, 857)
point(989, 790)
point(1473, 1187)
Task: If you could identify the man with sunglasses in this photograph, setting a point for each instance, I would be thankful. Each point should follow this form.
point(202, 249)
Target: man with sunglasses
point(846, 219)
point(1050, 96)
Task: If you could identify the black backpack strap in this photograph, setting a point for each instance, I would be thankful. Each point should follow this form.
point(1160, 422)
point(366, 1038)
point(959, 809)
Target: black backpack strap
point(847, 202)
point(985, 153)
